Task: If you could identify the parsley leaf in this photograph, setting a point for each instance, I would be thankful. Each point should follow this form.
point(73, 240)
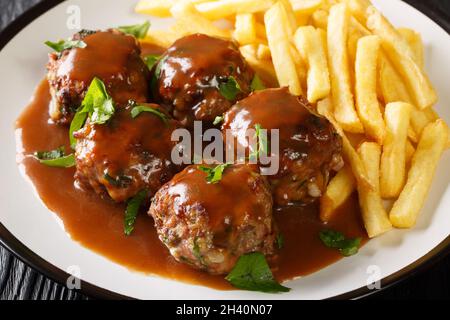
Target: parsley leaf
point(132, 211)
point(262, 144)
point(218, 120)
point(97, 105)
point(280, 241)
point(139, 31)
point(336, 240)
point(257, 84)
point(214, 175)
point(56, 158)
point(230, 88)
point(252, 272)
point(151, 60)
point(137, 110)
point(66, 44)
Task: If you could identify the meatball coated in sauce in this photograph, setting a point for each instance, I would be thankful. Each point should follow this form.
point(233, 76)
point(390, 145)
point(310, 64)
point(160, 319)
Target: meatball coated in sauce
point(112, 56)
point(309, 145)
point(209, 226)
point(190, 73)
point(126, 155)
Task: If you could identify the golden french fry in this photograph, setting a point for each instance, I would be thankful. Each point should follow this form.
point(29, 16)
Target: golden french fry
point(410, 150)
point(393, 160)
point(245, 28)
point(291, 24)
point(344, 107)
point(261, 31)
point(264, 68)
point(309, 44)
point(158, 8)
point(376, 220)
point(358, 9)
point(263, 52)
point(215, 10)
point(190, 21)
point(338, 191)
point(161, 38)
point(414, 40)
point(324, 108)
point(306, 7)
point(278, 39)
point(423, 167)
point(320, 19)
point(367, 103)
point(400, 53)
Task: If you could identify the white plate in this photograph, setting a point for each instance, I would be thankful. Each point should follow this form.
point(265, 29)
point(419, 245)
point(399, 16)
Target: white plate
point(22, 63)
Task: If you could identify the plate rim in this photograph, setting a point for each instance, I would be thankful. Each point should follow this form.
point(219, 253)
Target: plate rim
point(39, 264)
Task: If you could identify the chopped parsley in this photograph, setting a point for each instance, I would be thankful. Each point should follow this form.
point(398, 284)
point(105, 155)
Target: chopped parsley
point(252, 272)
point(262, 144)
point(65, 44)
point(336, 240)
point(139, 31)
point(218, 120)
point(150, 60)
point(56, 158)
point(132, 211)
point(138, 109)
point(230, 88)
point(214, 174)
point(280, 241)
point(257, 84)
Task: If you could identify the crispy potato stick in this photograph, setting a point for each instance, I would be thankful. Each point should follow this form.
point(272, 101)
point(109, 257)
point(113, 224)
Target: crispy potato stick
point(278, 38)
point(245, 28)
point(374, 215)
point(309, 44)
point(393, 160)
point(261, 31)
point(215, 10)
point(264, 68)
point(263, 52)
point(424, 163)
point(161, 38)
point(190, 21)
point(306, 7)
point(320, 19)
point(338, 191)
point(158, 8)
point(344, 107)
point(366, 87)
point(410, 150)
point(291, 24)
point(358, 9)
point(400, 53)
point(415, 42)
point(324, 108)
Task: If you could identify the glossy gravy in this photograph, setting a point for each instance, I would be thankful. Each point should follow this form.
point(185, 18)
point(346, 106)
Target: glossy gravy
point(98, 223)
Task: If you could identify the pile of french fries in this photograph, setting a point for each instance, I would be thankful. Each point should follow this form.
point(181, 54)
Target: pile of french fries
point(360, 72)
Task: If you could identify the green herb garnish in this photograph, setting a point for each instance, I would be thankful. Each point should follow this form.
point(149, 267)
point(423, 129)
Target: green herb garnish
point(257, 84)
point(151, 60)
point(97, 105)
point(262, 144)
point(218, 120)
point(230, 88)
point(56, 158)
point(137, 110)
point(253, 273)
point(132, 211)
point(119, 181)
point(336, 240)
point(66, 44)
point(139, 31)
point(214, 174)
point(280, 241)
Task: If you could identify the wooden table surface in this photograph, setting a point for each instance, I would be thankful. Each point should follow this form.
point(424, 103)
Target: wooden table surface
point(19, 281)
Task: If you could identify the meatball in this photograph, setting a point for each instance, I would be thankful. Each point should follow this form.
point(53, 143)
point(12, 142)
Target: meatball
point(112, 56)
point(126, 155)
point(192, 70)
point(210, 225)
point(309, 145)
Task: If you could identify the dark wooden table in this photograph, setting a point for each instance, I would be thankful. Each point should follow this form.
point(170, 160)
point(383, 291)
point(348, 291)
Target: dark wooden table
point(19, 281)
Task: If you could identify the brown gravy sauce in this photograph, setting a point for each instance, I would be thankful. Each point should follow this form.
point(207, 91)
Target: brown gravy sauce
point(98, 223)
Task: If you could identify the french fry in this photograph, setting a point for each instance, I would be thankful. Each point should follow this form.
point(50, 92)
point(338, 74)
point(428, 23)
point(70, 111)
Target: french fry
point(161, 38)
point(410, 150)
point(400, 53)
point(338, 191)
point(393, 160)
point(263, 52)
point(291, 24)
point(423, 167)
point(414, 40)
point(190, 21)
point(306, 7)
point(324, 108)
point(309, 44)
point(157, 8)
point(342, 97)
point(358, 9)
point(278, 39)
point(245, 28)
point(367, 103)
point(264, 68)
point(320, 19)
point(215, 10)
point(376, 220)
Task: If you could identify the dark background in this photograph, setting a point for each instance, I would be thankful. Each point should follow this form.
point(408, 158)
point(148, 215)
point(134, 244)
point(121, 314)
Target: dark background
point(18, 281)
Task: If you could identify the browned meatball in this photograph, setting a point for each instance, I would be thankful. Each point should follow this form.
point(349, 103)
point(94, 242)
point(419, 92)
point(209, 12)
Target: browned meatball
point(190, 73)
point(309, 144)
point(112, 56)
point(126, 155)
point(209, 226)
